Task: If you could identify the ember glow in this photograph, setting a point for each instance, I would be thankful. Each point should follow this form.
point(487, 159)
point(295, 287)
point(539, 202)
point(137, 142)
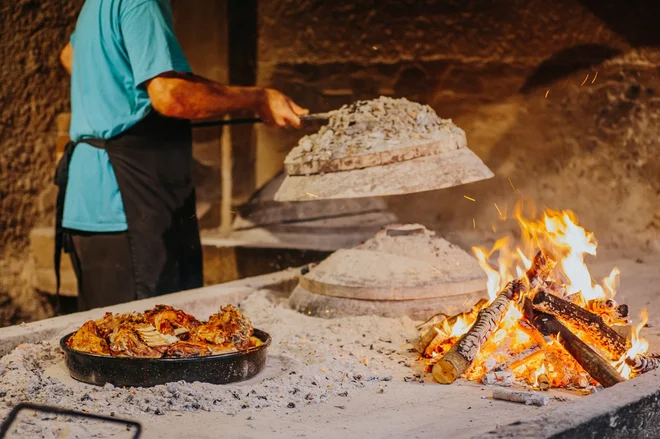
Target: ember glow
point(518, 346)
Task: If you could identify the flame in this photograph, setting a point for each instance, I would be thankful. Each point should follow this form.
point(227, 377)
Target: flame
point(534, 376)
point(560, 233)
point(638, 346)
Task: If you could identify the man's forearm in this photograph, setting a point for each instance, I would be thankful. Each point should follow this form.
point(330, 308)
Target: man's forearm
point(188, 96)
point(66, 58)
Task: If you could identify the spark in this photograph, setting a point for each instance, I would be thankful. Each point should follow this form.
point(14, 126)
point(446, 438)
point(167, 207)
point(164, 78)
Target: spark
point(498, 209)
point(469, 198)
point(474, 224)
point(312, 195)
point(547, 92)
point(411, 270)
point(585, 80)
point(514, 188)
point(434, 269)
point(565, 83)
point(595, 76)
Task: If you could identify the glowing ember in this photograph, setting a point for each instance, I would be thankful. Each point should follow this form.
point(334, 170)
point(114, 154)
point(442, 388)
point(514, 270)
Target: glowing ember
point(542, 361)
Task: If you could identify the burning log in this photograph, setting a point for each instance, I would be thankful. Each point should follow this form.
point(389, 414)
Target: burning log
point(438, 332)
point(607, 338)
point(543, 381)
point(609, 310)
point(520, 358)
point(462, 354)
point(643, 363)
point(527, 398)
point(597, 367)
point(501, 378)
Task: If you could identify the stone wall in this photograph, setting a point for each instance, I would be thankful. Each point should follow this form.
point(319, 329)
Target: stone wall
point(34, 90)
point(560, 97)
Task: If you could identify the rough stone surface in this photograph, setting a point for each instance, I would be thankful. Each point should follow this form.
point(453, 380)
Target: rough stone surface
point(35, 88)
point(590, 147)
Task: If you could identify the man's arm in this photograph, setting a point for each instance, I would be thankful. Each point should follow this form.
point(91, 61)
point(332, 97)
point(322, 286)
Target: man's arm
point(188, 96)
point(66, 57)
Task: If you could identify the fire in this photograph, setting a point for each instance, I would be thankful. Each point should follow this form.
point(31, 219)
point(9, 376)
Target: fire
point(638, 346)
point(560, 233)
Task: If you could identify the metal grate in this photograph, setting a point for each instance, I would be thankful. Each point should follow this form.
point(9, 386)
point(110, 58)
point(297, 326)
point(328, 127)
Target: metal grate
point(4, 428)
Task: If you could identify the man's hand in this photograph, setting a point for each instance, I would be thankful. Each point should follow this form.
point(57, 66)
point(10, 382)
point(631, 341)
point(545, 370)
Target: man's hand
point(188, 96)
point(277, 109)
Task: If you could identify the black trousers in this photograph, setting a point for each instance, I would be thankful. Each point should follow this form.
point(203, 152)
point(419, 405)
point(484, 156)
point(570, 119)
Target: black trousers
point(104, 268)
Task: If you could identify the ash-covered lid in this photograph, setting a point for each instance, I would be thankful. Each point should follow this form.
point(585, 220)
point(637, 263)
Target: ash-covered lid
point(368, 126)
point(400, 262)
point(380, 147)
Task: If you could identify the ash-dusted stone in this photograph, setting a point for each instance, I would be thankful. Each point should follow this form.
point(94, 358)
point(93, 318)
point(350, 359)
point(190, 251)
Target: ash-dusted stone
point(402, 270)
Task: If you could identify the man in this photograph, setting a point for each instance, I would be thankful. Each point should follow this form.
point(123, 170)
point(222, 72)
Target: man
point(126, 205)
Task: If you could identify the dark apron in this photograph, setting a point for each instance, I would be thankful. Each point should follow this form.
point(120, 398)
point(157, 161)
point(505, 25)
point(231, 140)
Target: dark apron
point(152, 162)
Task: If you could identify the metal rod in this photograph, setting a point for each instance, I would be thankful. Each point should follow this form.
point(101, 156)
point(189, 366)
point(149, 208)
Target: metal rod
point(223, 122)
point(4, 428)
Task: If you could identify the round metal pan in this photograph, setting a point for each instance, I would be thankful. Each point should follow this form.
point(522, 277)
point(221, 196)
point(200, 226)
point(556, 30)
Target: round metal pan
point(146, 372)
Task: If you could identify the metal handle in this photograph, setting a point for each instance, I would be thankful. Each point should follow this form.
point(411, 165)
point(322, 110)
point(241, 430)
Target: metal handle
point(4, 428)
point(217, 123)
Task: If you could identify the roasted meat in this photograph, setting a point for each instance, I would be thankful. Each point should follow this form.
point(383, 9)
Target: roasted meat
point(87, 339)
point(186, 349)
point(171, 321)
point(110, 322)
point(165, 331)
point(229, 326)
point(126, 341)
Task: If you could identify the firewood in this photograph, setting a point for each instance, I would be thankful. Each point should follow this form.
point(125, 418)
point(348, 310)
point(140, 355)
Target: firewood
point(423, 346)
point(557, 288)
point(609, 310)
point(520, 358)
point(439, 338)
point(527, 398)
point(643, 363)
point(596, 366)
point(462, 354)
point(605, 338)
point(428, 337)
point(543, 381)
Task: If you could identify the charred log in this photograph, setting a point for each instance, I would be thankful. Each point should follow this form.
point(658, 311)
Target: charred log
point(643, 363)
point(595, 365)
point(520, 358)
point(609, 310)
point(580, 319)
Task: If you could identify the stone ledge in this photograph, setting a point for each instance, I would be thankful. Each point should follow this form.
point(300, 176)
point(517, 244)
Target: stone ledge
point(628, 410)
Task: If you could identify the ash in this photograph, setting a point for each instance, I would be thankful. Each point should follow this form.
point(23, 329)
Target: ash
point(370, 126)
point(310, 360)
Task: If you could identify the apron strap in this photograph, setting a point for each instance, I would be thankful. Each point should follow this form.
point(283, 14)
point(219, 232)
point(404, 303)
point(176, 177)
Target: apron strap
point(63, 239)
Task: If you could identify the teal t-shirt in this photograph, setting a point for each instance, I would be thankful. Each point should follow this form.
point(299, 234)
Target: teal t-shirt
point(117, 46)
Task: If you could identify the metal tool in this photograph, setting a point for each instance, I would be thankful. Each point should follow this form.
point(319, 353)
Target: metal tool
point(251, 120)
point(4, 428)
